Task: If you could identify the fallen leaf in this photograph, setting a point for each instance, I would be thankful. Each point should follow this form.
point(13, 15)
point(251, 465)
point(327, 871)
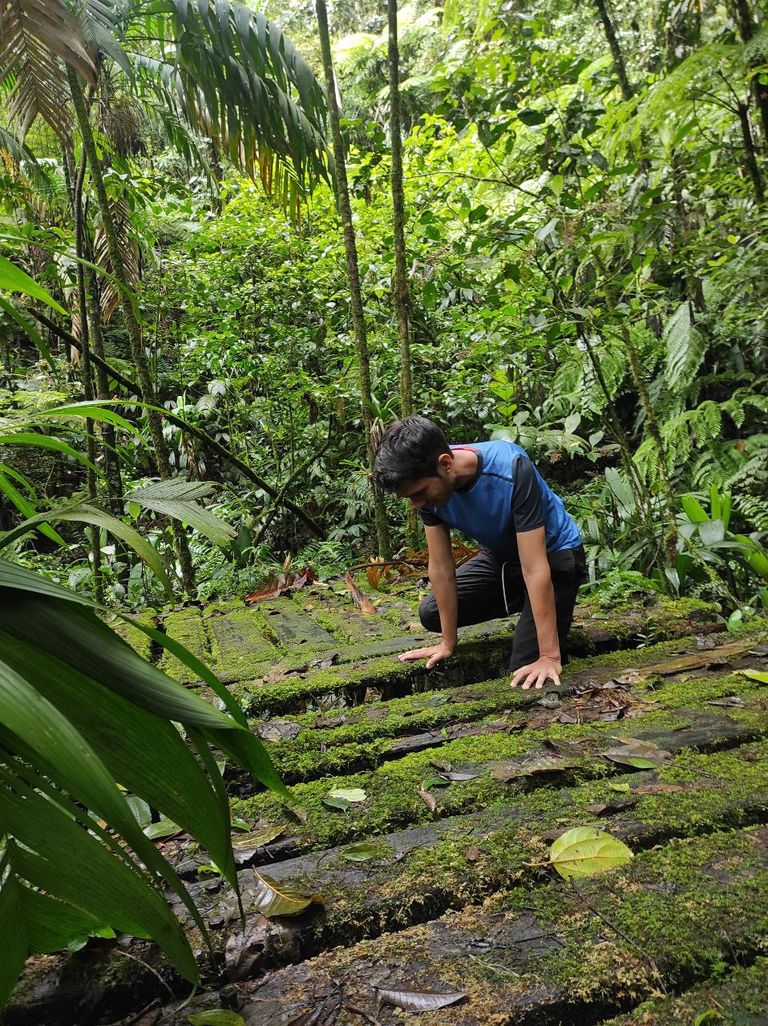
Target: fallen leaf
point(353, 795)
point(507, 770)
point(163, 828)
point(436, 782)
point(587, 851)
point(639, 754)
point(361, 601)
point(271, 898)
point(429, 799)
point(417, 1001)
point(244, 950)
point(216, 1017)
point(441, 764)
point(472, 853)
point(730, 700)
point(336, 803)
point(279, 730)
point(298, 813)
point(618, 785)
point(245, 846)
point(362, 852)
point(759, 675)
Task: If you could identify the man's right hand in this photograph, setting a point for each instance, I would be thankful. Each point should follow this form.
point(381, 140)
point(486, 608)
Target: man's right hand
point(434, 654)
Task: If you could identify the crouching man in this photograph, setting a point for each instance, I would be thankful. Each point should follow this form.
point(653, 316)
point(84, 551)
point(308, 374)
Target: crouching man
point(531, 558)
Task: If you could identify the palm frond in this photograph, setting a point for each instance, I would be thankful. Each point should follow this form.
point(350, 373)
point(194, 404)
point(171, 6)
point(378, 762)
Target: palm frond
point(35, 37)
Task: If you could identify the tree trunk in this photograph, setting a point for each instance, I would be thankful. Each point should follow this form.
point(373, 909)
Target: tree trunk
point(129, 315)
point(747, 29)
point(400, 281)
point(618, 58)
point(353, 272)
point(93, 532)
point(750, 157)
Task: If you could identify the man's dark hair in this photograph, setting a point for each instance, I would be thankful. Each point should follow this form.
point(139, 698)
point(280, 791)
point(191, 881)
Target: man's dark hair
point(408, 451)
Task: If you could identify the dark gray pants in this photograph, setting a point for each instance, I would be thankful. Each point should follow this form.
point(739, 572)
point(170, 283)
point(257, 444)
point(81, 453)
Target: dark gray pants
point(481, 593)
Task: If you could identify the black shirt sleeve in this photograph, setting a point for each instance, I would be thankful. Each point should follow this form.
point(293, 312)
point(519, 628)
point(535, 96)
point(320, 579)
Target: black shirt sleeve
point(527, 507)
point(429, 519)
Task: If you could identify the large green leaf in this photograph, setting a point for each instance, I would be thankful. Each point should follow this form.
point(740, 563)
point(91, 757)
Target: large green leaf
point(29, 328)
point(86, 514)
point(34, 519)
point(13, 279)
point(178, 498)
point(34, 438)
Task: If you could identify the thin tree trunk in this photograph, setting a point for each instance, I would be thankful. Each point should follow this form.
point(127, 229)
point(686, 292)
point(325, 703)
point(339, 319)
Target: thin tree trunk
point(618, 58)
point(353, 272)
point(401, 292)
point(750, 157)
point(87, 373)
point(747, 29)
point(131, 320)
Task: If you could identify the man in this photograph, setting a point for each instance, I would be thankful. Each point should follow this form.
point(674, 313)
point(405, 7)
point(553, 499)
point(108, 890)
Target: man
point(531, 559)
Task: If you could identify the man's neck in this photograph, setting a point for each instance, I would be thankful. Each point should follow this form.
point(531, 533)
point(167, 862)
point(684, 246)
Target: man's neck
point(464, 465)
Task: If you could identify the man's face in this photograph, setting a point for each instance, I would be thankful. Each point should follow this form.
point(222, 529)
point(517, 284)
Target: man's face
point(434, 490)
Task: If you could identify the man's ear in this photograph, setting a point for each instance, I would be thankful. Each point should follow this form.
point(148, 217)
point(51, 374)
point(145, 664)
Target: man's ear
point(445, 460)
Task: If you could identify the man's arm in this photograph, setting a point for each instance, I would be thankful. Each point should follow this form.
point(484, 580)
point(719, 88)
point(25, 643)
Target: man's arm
point(442, 576)
point(532, 549)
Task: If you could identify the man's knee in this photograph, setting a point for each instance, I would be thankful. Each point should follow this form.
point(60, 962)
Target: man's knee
point(428, 614)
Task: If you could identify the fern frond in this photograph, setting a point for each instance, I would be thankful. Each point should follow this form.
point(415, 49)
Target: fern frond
point(685, 348)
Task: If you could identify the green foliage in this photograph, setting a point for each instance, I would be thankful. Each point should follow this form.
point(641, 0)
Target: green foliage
point(84, 719)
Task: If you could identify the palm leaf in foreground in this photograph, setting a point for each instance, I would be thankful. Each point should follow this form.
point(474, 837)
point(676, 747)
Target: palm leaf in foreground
point(81, 712)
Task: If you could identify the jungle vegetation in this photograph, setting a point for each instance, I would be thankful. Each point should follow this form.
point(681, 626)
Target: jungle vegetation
point(236, 241)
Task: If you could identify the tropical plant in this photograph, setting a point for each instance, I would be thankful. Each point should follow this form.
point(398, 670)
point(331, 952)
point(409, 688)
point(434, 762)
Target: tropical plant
point(87, 723)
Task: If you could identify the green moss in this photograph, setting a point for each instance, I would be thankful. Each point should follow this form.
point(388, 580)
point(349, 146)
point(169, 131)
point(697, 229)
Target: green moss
point(740, 1000)
point(393, 788)
point(137, 639)
point(185, 626)
point(240, 646)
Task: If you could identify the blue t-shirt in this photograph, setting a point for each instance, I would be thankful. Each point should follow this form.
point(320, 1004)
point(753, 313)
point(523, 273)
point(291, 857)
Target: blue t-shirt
point(507, 496)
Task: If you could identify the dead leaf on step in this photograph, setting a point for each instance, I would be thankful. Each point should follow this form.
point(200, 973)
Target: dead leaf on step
point(662, 788)
point(639, 754)
point(245, 846)
point(245, 950)
point(272, 897)
point(456, 776)
point(417, 1001)
point(363, 603)
point(441, 764)
point(298, 813)
point(511, 769)
point(279, 730)
point(472, 853)
point(429, 799)
point(728, 702)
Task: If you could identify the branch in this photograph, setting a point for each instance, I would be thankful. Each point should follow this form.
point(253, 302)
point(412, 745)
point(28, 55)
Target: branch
point(204, 437)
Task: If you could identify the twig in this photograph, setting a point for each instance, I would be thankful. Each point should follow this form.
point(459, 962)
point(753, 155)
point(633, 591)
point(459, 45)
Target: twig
point(139, 1015)
point(624, 936)
point(145, 965)
point(355, 1010)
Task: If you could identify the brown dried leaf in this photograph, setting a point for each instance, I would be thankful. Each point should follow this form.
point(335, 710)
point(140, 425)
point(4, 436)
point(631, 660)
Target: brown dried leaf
point(274, 898)
point(245, 846)
point(429, 799)
point(363, 603)
point(639, 754)
point(612, 807)
point(511, 769)
point(417, 1001)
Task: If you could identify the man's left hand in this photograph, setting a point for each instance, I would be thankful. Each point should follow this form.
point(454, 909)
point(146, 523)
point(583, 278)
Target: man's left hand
point(536, 675)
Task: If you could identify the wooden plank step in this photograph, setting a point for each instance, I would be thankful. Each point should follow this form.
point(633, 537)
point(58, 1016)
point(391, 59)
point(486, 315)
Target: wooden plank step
point(427, 720)
point(393, 800)
point(671, 917)
point(419, 873)
point(186, 626)
point(336, 614)
point(741, 999)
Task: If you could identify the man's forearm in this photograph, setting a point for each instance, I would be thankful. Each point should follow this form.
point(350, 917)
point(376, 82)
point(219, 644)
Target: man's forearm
point(443, 580)
point(541, 595)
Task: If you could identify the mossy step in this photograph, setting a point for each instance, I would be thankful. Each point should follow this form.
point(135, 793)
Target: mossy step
point(336, 614)
point(185, 626)
point(672, 917)
point(483, 653)
point(741, 999)
point(419, 873)
point(137, 639)
point(392, 790)
point(310, 745)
